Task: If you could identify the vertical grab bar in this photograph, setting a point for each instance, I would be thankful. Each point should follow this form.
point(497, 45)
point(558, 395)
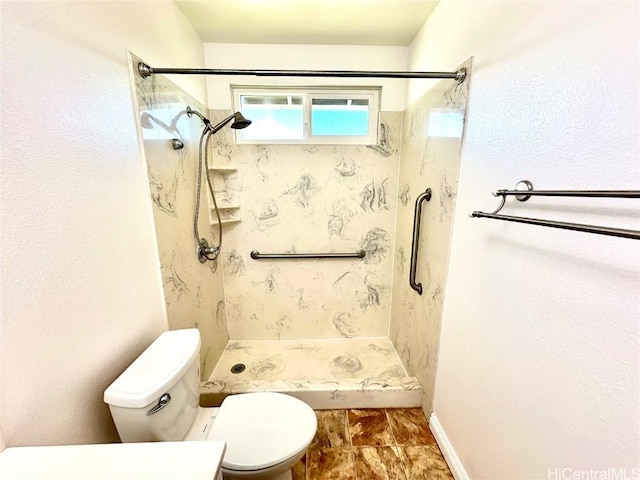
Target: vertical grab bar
point(417, 215)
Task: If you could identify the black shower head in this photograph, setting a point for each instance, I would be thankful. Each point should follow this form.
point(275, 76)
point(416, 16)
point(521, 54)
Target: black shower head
point(239, 121)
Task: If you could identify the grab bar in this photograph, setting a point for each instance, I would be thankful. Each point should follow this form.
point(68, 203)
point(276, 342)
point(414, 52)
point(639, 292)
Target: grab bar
point(256, 255)
point(426, 195)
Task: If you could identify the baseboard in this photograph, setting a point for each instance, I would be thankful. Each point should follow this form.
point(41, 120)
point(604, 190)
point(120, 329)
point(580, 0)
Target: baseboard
point(455, 465)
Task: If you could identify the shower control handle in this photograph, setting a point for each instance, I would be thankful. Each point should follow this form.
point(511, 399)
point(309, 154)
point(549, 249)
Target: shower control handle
point(205, 252)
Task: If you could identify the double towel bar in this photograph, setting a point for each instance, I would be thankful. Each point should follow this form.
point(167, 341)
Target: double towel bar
point(524, 195)
point(417, 217)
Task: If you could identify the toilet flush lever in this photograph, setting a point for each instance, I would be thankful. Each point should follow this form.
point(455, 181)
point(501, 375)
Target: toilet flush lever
point(163, 402)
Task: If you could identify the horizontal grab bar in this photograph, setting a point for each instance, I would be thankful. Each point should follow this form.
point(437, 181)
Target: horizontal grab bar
point(256, 255)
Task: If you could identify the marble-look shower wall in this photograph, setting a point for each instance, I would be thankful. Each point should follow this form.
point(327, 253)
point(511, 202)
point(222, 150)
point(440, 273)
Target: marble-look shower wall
point(312, 198)
point(193, 291)
point(431, 149)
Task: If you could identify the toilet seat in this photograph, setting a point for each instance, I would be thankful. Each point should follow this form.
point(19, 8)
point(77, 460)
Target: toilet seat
point(262, 429)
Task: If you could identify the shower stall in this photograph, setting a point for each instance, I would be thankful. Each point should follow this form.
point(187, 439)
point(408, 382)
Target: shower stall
point(338, 331)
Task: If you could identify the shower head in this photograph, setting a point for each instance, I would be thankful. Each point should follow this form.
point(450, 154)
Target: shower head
point(239, 122)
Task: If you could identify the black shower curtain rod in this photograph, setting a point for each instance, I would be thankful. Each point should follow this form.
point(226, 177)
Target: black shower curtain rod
point(146, 71)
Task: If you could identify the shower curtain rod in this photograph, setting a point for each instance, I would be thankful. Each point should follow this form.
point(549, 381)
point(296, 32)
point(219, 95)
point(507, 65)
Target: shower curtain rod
point(146, 71)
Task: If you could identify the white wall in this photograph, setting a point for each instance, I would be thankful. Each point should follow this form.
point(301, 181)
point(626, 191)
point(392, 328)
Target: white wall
point(539, 356)
point(305, 57)
point(81, 287)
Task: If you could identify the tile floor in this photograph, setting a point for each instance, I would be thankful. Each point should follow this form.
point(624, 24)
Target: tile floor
point(372, 444)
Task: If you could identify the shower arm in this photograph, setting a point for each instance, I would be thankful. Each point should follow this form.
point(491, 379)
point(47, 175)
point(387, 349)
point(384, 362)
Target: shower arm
point(221, 124)
point(146, 71)
point(216, 128)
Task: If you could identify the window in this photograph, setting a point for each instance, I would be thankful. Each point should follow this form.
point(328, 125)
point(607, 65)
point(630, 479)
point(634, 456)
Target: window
point(308, 115)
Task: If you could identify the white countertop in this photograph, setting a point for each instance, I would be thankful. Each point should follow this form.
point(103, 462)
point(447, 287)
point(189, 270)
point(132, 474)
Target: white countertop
point(130, 461)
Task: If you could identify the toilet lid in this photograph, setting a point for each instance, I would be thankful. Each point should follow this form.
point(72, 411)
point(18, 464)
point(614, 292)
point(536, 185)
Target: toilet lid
point(262, 429)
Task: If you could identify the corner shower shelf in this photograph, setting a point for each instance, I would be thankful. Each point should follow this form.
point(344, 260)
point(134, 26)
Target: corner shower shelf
point(225, 185)
point(227, 206)
point(228, 214)
point(222, 169)
point(225, 221)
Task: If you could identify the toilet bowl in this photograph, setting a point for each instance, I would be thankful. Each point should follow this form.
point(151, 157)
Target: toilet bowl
point(156, 399)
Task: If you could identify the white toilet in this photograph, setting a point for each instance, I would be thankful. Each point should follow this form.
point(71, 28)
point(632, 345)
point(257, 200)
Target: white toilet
point(157, 399)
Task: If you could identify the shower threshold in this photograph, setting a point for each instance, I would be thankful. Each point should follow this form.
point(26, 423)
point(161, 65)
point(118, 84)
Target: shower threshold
point(325, 373)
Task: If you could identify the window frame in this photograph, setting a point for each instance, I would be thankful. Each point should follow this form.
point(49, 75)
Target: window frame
point(308, 94)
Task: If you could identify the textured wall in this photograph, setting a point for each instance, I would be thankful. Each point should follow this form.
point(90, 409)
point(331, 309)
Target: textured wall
point(193, 291)
point(80, 281)
point(430, 158)
point(311, 199)
point(538, 366)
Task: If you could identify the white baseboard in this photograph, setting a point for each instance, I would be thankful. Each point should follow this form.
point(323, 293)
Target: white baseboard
point(455, 465)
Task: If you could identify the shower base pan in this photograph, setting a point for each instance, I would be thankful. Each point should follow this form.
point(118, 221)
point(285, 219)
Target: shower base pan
point(326, 373)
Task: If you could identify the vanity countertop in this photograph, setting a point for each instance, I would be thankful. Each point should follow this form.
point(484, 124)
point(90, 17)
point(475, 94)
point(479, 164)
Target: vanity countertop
point(112, 461)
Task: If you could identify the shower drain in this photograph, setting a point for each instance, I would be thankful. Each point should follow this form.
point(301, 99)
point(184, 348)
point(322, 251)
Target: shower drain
point(238, 368)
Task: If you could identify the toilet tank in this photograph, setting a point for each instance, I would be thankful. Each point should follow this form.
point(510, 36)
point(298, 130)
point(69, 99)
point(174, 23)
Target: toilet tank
point(157, 397)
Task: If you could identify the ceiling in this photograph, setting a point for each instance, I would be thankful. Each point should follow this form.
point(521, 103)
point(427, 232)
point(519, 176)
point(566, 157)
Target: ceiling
point(330, 22)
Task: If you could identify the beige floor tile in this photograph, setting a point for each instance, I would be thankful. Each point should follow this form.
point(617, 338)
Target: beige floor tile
point(330, 464)
point(410, 426)
point(424, 462)
point(332, 429)
point(378, 463)
point(369, 428)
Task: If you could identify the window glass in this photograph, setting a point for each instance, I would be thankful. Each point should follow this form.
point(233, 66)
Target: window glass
point(339, 117)
point(273, 117)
